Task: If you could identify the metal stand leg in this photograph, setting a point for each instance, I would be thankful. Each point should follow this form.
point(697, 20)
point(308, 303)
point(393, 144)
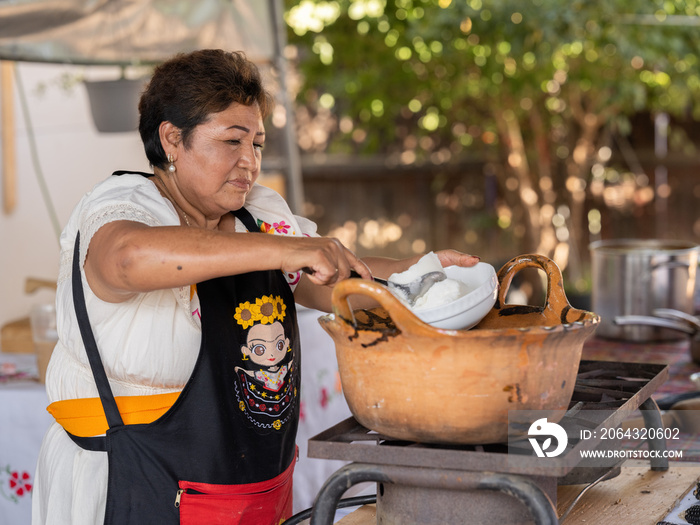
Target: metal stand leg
point(327, 499)
point(537, 502)
point(526, 491)
point(652, 420)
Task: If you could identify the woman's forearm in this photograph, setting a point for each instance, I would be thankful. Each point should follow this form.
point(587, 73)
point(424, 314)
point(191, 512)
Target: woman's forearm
point(125, 258)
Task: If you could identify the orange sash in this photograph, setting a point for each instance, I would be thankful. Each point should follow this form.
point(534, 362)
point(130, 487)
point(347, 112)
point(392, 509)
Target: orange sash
point(86, 417)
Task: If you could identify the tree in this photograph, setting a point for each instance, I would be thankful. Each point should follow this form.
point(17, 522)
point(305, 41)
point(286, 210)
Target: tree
point(543, 86)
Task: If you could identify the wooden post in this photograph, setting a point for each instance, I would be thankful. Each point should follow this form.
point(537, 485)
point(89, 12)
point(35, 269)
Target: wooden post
point(9, 161)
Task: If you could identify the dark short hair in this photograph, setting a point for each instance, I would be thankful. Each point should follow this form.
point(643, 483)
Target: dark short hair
point(189, 87)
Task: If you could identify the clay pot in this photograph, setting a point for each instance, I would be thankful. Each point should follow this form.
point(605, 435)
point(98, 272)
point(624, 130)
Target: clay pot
point(408, 380)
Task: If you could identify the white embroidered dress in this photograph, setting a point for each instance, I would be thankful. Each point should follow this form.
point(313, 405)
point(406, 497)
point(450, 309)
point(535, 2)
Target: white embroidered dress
point(148, 344)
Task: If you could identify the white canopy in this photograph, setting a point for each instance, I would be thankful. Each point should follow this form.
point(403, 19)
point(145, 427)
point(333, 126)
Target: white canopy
point(131, 32)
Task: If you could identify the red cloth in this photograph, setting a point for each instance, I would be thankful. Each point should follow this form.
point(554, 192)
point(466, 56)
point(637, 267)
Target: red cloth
point(264, 503)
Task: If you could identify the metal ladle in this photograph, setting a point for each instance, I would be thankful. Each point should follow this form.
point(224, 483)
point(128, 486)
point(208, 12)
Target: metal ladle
point(411, 290)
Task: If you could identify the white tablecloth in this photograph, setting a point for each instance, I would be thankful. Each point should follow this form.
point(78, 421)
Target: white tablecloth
point(23, 422)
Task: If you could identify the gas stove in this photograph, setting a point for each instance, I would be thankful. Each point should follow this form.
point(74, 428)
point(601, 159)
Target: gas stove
point(431, 484)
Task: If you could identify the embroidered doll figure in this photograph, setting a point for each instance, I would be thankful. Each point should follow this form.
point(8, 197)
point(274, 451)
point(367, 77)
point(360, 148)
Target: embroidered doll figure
point(267, 347)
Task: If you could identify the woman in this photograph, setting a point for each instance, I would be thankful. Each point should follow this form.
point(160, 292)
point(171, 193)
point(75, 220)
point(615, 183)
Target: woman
point(177, 367)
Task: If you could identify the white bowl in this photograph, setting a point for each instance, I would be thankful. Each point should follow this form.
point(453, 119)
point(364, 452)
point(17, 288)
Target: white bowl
point(468, 310)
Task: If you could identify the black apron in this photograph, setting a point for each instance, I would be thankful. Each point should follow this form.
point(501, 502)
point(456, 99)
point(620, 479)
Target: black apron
point(234, 423)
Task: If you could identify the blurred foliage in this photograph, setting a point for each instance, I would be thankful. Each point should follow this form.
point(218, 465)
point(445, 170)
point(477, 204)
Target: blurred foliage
point(436, 68)
point(542, 86)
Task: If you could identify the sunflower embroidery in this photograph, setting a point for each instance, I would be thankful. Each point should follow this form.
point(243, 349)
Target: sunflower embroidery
point(280, 308)
point(266, 308)
point(246, 315)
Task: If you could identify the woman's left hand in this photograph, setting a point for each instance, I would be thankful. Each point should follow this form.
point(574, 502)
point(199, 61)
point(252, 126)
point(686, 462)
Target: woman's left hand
point(455, 258)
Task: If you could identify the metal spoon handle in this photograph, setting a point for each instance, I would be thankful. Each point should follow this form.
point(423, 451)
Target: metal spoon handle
point(353, 273)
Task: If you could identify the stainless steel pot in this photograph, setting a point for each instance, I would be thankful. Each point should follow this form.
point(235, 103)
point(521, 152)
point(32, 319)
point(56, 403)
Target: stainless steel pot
point(637, 276)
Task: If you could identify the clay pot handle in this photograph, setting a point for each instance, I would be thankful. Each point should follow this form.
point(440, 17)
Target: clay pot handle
point(403, 318)
point(556, 304)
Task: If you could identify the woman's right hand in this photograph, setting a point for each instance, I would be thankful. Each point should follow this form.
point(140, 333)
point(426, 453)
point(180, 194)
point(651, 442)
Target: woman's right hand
point(324, 259)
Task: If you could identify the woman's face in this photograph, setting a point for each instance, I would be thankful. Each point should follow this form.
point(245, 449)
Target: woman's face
point(267, 345)
point(217, 169)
